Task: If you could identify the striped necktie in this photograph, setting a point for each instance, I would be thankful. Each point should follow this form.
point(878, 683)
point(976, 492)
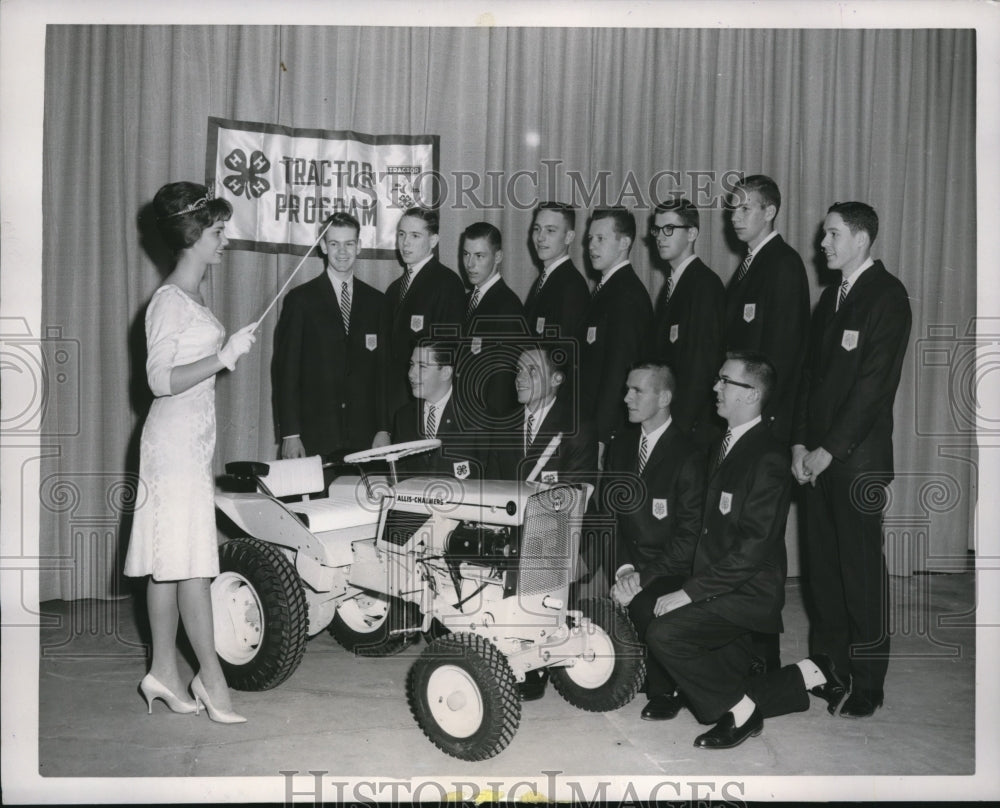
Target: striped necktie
point(744, 267)
point(431, 429)
point(724, 449)
point(529, 428)
point(405, 285)
point(345, 305)
point(597, 289)
point(670, 287)
point(643, 453)
point(843, 294)
point(541, 280)
point(473, 302)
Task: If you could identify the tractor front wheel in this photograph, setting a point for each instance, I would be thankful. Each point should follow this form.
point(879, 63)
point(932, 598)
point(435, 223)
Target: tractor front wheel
point(462, 693)
point(610, 674)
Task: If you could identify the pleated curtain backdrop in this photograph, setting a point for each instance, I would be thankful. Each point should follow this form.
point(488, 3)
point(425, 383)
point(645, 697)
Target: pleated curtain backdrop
point(883, 116)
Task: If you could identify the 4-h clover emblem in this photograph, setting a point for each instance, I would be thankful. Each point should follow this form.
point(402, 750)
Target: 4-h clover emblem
point(247, 181)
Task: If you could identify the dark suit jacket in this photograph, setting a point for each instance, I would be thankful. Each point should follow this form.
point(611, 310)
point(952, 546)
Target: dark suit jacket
point(768, 311)
point(852, 371)
point(562, 302)
point(326, 384)
point(689, 337)
point(616, 332)
point(574, 461)
point(457, 445)
point(487, 360)
point(658, 513)
point(435, 298)
point(739, 566)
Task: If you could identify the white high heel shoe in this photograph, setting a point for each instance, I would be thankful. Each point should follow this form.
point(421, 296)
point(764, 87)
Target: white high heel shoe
point(201, 698)
point(152, 689)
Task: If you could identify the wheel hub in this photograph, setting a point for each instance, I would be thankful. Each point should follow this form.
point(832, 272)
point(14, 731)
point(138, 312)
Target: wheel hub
point(237, 618)
point(455, 701)
point(594, 666)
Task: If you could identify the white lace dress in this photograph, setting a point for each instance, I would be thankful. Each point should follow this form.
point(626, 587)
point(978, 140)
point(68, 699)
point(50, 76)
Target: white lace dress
point(173, 533)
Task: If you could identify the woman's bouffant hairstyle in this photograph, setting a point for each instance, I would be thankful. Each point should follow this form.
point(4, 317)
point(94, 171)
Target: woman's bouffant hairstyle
point(183, 211)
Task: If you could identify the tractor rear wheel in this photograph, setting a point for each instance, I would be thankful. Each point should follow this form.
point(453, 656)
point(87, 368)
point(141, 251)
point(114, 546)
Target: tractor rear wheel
point(259, 614)
point(365, 624)
point(462, 693)
point(610, 675)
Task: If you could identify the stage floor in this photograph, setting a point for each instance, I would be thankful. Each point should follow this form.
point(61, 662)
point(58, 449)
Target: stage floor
point(348, 716)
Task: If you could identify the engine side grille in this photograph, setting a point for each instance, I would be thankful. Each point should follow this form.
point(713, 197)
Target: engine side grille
point(400, 526)
point(550, 539)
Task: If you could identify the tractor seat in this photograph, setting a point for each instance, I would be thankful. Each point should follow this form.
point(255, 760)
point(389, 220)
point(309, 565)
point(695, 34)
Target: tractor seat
point(347, 505)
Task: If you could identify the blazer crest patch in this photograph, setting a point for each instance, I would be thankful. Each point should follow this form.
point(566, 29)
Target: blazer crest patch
point(417, 322)
point(371, 341)
point(849, 341)
point(674, 332)
point(461, 469)
point(592, 335)
point(476, 345)
point(660, 508)
point(749, 312)
point(539, 325)
point(725, 502)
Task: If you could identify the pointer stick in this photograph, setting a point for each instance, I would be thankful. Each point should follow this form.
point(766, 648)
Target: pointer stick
point(281, 291)
point(549, 451)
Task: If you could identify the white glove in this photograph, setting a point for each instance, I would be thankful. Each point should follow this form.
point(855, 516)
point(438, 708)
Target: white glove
point(237, 345)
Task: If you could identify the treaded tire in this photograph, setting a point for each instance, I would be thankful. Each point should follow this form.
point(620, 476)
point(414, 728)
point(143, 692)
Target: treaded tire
point(614, 676)
point(260, 614)
point(461, 691)
point(376, 640)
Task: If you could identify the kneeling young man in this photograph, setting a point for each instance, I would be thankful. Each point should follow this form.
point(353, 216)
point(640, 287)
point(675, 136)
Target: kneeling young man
point(657, 529)
point(702, 632)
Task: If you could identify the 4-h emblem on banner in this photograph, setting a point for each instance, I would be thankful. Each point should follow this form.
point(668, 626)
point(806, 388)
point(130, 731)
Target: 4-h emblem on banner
point(284, 182)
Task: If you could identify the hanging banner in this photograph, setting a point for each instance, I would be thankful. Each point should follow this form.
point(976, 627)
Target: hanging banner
point(283, 183)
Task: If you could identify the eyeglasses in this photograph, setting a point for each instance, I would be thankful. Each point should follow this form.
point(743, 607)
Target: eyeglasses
point(724, 381)
point(667, 229)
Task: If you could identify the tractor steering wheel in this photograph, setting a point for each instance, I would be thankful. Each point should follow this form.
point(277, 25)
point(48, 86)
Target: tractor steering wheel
point(393, 452)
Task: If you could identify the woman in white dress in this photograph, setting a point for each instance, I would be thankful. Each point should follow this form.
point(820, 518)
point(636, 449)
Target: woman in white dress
point(173, 537)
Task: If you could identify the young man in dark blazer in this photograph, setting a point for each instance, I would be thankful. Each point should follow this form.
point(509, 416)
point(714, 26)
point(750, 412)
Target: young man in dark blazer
point(494, 323)
point(688, 324)
point(328, 348)
point(557, 301)
point(433, 414)
point(654, 484)
point(767, 310)
point(842, 451)
point(618, 326)
point(701, 634)
point(549, 442)
point(767, 300)
point(428, 295)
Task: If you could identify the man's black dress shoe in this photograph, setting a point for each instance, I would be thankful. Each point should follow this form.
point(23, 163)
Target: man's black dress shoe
point(862, 703)
point(725, 736)
point(661, 708)
point(833, 690)
point(533, 686)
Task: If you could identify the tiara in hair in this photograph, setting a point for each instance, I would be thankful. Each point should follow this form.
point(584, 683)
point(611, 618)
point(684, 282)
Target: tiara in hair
point(196, 205)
